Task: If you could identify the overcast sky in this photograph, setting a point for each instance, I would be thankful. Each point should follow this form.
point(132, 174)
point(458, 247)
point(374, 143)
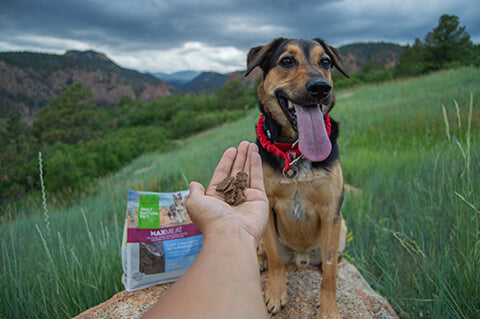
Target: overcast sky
point(214, 35)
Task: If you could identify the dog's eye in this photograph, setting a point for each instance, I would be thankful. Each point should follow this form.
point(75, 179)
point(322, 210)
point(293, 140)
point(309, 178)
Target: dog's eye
point(286, 61)
point(325, 63)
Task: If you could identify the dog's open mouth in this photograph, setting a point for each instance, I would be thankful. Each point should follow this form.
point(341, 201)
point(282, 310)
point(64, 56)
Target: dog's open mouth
point(288, 109)
point(308, 121)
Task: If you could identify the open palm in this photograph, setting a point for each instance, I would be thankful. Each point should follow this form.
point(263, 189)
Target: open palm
point(208, 209)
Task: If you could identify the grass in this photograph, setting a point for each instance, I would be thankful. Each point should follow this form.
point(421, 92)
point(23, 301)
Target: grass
point(410, 145)
point(58, 266)
point(416, 225)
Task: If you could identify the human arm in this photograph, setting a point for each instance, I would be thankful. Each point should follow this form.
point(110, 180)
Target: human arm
point(224, 280)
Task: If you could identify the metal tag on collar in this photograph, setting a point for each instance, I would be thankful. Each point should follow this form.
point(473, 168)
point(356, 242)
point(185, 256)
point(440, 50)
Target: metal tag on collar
point(291, 173)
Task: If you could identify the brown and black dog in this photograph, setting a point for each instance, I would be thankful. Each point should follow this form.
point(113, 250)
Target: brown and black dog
point(301, 165)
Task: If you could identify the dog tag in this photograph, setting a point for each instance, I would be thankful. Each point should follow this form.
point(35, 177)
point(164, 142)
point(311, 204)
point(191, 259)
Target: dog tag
point(291, 173)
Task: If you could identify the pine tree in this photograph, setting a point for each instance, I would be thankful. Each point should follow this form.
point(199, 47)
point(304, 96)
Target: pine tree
point(449, 43)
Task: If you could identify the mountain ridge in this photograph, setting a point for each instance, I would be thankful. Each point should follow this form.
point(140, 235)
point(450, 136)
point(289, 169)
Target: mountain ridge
point(354, 57)
point(28, 79)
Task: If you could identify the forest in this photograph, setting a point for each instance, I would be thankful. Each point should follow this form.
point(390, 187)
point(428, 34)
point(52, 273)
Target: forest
point(446, 46)
point(80, 141)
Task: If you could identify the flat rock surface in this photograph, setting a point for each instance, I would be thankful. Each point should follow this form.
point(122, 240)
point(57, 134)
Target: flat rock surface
point(356, 299)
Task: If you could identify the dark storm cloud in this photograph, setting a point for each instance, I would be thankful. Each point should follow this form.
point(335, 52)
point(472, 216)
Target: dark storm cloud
point(171, 35)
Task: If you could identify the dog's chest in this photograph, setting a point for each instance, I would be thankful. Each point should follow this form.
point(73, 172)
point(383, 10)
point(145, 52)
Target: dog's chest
point(298, 219)
point(298, 210)
point(300, 204)
point(298, 198)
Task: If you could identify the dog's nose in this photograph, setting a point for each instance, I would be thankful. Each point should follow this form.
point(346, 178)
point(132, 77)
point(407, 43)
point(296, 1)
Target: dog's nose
point(319, 87)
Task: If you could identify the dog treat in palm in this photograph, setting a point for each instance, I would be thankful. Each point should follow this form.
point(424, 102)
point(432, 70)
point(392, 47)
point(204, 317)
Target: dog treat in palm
point(233, 188)
point(226, 183)
point(230, 197)
point(241, 180)
point(239, 197)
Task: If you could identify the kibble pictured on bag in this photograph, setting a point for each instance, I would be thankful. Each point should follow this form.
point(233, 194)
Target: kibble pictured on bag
point(159, 240)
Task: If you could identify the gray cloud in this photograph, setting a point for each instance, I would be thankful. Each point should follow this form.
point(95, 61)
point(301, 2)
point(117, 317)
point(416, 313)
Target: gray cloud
point(166, 36)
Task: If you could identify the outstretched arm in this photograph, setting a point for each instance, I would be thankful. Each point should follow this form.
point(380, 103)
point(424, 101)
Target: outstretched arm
point(224, 280)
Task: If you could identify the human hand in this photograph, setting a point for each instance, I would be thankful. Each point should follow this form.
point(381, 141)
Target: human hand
point(208, 209)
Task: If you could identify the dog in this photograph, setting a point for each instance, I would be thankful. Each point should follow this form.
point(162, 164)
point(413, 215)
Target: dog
point(177, 211)
point(301, 164)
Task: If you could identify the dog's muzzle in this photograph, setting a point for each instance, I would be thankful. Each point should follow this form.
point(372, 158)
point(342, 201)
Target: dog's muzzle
point(319, 88)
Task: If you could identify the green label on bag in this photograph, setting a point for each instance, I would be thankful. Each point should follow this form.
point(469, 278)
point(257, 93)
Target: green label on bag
point(148, 211)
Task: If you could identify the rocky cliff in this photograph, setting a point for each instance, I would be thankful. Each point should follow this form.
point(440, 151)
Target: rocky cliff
point(356, 56)
point(29, 80)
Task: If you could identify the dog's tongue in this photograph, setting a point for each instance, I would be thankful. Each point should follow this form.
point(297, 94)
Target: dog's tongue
point(312, 133)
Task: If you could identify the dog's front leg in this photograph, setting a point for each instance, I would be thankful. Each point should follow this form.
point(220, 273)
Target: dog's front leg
point(330, 242)
point(276, 290)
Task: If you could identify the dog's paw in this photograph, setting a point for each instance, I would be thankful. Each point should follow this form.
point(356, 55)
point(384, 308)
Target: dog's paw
point(328, 312)
point(275, 297)
point(327, 315)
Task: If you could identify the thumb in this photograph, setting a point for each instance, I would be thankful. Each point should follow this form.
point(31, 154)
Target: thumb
point(196, 190)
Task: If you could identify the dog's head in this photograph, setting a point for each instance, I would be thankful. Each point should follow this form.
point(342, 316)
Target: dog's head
point(297, 89)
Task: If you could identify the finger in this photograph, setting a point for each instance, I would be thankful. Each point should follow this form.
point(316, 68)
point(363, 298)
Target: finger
point(252, 149)
point(223, 168)
point(196, 190)
point(248, 165)
point(256, 171)
point(240, 159)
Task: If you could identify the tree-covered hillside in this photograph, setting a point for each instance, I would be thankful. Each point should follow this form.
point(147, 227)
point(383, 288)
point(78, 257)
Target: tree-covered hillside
point(80, 141)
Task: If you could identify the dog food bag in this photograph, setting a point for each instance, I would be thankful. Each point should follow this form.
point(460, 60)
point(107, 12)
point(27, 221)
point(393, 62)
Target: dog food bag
point(159, 240)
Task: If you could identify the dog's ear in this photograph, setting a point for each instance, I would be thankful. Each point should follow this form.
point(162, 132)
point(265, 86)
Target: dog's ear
point(334, 54)
point(258, 55)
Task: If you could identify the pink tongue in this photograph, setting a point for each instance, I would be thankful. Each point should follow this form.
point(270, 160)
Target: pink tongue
point(313, 138)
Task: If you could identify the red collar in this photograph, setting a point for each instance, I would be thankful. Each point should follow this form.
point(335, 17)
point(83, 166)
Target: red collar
point(288, 151)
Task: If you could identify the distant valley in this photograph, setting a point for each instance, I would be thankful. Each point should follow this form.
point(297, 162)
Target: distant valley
point(177, 79)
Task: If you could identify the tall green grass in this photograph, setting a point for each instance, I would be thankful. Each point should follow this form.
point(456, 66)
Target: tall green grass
point(415, 227)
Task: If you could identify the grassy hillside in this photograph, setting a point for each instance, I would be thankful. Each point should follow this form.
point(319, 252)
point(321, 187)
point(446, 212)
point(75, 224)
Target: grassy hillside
point(414, 227)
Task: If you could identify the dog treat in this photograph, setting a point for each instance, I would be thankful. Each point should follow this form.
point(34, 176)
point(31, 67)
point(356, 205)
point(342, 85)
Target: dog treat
point(230, 197)
point(233, 188)
point(226, 183)
point(241, 180)
point(239, 197)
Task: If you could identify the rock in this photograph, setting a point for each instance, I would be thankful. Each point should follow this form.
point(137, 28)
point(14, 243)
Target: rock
point(29, 80)
point(152, 92)
point(356, 299)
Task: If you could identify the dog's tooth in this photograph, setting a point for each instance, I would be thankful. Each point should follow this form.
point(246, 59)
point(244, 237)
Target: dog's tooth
point(290, 105)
